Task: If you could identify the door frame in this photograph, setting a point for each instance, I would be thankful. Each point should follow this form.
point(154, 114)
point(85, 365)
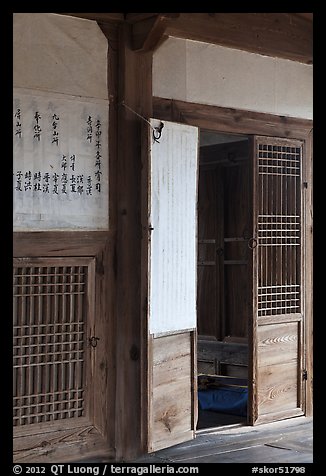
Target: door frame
point(238, 121)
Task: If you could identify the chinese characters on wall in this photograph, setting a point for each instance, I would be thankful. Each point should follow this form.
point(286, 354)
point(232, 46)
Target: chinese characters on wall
point(60, 176)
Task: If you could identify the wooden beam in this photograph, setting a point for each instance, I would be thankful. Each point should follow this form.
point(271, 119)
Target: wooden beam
point(283, 35)
point(230, 120)
point(100, 17)
point(135, 17)
point(148, 33)
point(108, 293)
point(307, 16)
point(230, 153)
point(135, 91)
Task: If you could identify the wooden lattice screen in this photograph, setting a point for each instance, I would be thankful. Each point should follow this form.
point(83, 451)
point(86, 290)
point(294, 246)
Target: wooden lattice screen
point(279, 227)
point(51, 311)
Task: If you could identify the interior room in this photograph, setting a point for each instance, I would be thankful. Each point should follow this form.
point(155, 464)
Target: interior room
point(223, 304)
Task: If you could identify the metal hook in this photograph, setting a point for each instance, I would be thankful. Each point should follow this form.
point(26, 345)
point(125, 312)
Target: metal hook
point(93, 341)
point(157, 132)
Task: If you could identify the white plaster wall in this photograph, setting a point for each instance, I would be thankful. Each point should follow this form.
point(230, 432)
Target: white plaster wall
point(210, 74)
point(60, 54)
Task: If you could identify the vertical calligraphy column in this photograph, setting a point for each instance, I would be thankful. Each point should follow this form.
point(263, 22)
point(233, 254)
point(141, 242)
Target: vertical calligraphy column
point(98, 156)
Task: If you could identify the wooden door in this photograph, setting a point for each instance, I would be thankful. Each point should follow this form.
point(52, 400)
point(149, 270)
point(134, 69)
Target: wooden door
point(172, 263)
point(278, 319)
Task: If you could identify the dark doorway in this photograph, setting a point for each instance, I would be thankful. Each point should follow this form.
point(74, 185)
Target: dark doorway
point(223, 293)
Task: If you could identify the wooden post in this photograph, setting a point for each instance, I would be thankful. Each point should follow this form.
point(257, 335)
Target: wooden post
point(135, 92)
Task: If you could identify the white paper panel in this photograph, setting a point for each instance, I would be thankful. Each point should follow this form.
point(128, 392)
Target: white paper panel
point(173, 216)
point(60, 170)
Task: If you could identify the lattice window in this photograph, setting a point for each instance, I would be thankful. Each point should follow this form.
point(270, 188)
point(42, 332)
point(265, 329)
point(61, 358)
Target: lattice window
point(279, 227)
point(50, 314)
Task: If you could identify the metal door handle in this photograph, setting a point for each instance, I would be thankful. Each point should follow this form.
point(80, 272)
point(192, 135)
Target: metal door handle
point(252, 243)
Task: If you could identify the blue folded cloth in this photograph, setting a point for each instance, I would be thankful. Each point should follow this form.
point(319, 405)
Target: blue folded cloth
point(232, 400)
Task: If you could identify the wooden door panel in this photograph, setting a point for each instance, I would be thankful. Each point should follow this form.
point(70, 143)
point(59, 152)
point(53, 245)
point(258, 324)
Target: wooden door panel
point(278, 377)
point(278, 279)
point(278, 343)
point(172, 258)
point(172, 390)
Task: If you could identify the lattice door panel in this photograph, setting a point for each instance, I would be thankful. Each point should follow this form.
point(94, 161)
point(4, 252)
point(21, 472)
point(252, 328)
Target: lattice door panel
point(278, 346)
point(52, 312)
point(279, 227)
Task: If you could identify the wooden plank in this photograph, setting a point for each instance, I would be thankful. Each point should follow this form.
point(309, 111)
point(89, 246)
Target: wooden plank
point(307, 16)
point(236, 354)
point(57, 446)
point(282, 35)
point(278, 369)
point(179, 348)
point(172, 391)
point(134, 90)
point(253, 291)
point(172, 370)
point(238, 439)
point(106, 282)
point(278, 416)
point(136, 17)
point(194, 380)
point(277, 344)
point(230, 120)
point(307, 176)
point(58, 243)
point(278, 384)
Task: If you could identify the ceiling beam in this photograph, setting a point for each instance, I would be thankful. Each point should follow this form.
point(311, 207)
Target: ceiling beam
point(283, 35)
point(135, 17)
point(307, 16)
point(100, 17)
point(148, 33)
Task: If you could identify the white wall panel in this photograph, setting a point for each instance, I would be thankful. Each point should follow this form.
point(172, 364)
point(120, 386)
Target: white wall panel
point(173, 215)
point(227, 77)
point(59, 53)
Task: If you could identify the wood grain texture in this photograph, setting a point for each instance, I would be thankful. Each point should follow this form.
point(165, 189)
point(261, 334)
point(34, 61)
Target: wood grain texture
point(278, 343)
point(230, 353)
point(278, 368)
point(307, 263)
point(223, 119)
point(106, 282)
point(284, 35)
point(54, 243)
point(135, 90)
point(147, 33)
point(172, 391)
point(280, 35)
point(64, 445)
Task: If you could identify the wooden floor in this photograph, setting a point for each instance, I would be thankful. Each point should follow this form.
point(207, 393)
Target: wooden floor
point(288, 441)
